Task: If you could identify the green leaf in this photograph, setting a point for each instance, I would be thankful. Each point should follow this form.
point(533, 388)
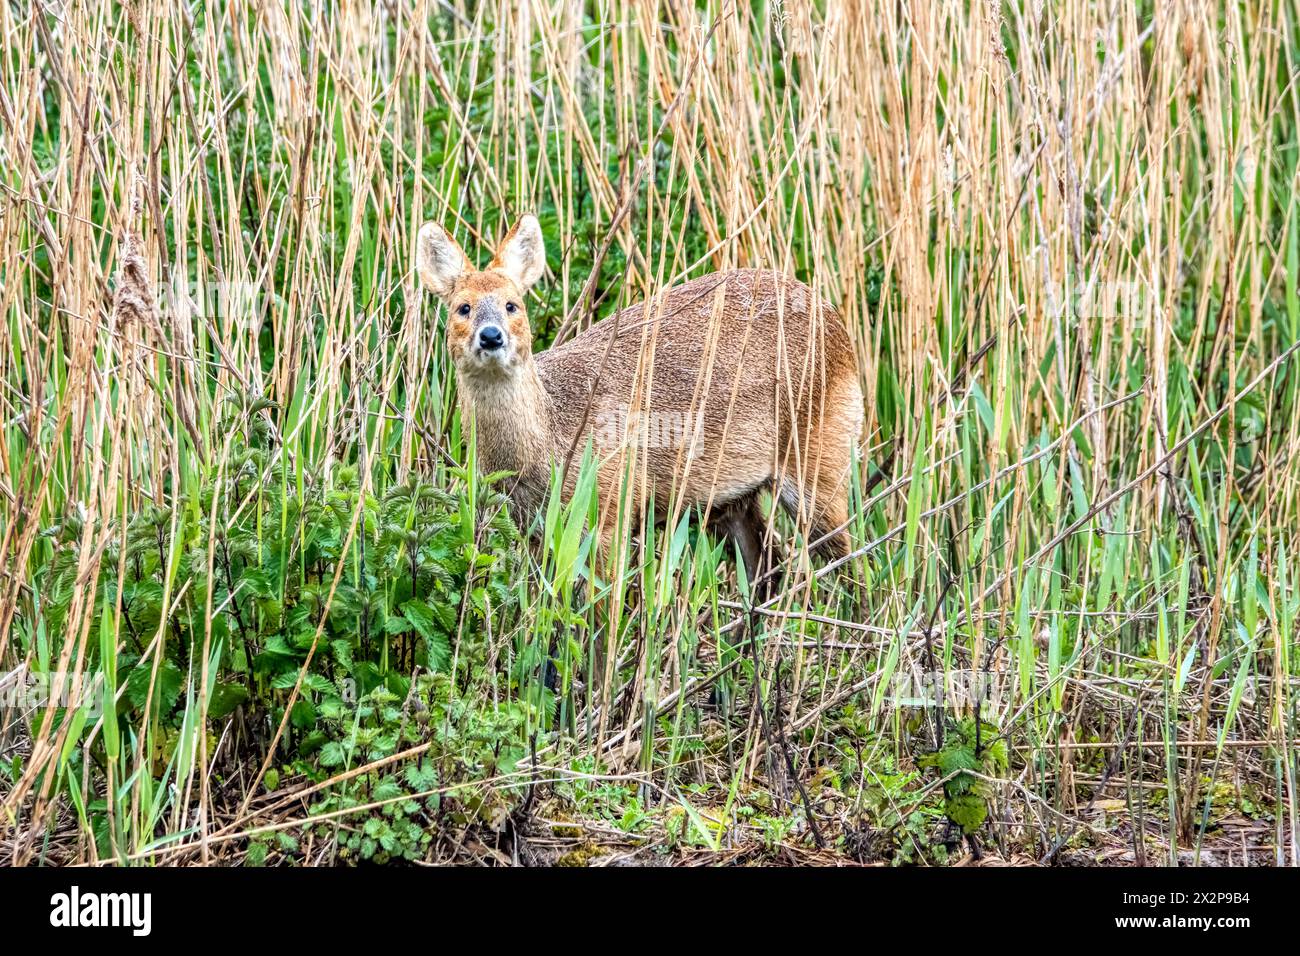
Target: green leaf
point(968, 811)
point(424, 620)
point(421, 776)
point(332, 754)
point(225, 698)
point(420, 616)
point(286, 680)
point(167, 689)
point(303, 714)
point(387, 789)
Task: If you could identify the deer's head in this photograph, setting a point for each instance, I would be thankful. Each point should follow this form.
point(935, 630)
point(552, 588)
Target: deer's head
point(487, 325)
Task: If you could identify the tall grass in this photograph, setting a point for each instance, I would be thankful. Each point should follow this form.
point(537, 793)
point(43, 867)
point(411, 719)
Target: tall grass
point(1063, 238)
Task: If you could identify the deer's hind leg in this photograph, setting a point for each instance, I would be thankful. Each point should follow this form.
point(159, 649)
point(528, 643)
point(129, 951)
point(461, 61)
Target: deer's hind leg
point(743, 523)
point(820, 506)
point(813, 484)
point(818, 499)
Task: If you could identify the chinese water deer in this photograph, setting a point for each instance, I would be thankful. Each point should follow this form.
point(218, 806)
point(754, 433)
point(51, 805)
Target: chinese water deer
point(709, 394)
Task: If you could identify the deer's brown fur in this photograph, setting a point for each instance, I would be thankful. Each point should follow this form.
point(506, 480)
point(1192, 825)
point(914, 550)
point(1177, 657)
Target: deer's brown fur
point(712, 392)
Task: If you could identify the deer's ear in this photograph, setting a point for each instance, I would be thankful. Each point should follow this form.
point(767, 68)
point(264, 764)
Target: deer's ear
point(438, 259)
point(522, 254)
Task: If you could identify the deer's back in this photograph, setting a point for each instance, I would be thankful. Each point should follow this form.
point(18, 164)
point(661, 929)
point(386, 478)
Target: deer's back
point(709, 382)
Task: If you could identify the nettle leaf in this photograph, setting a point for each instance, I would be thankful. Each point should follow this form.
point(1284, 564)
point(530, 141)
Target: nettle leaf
point(995, 754)
point(258, 583)
point(303, 637)
point(968, 811)
point(367, 676)
point(333, 754)
point(318, 683)
point(276, 644)
point(387, 789)
point(346, 603)
point(510, 759)
point(225, 698)
point(312, 742)
point(445, 613)
point(303, 714)
point(421, 776)
point(167, 690)
point(952, 759)
point(286, 680)
point(342, 652)
point(141, 595)
point(437, 648)
point(269, 663)
point(383, 745)
point(420, 616)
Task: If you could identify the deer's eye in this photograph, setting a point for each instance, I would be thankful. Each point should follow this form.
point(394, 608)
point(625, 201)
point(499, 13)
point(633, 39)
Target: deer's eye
point(464, 309)
point(511, 307)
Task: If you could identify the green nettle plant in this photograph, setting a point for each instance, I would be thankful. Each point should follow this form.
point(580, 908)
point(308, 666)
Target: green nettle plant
point(373, 640)
point(462, 776)
point(970, 749)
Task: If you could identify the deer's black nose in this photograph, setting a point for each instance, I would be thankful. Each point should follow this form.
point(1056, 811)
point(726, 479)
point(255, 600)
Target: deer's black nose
point(490, 338)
